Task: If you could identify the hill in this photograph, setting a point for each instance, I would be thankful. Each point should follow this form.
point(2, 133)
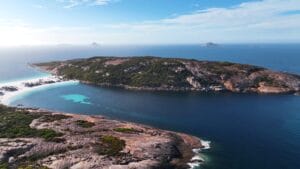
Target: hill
point(174, 74)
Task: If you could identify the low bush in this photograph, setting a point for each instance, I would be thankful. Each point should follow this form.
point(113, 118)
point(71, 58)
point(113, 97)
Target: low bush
point(85, 124)
point(23, 166)
point(15, 123)
point(3, 166)
point(48, 134)
point(126, 130)
point(32, 167)
point(52, 118)
point(110, 146)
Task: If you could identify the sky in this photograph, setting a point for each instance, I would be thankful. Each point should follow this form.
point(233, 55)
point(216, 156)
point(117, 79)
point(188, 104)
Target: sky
point(52, 22)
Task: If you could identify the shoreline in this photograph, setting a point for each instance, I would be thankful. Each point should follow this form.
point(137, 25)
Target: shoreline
point(10, 91)
point(198, 159)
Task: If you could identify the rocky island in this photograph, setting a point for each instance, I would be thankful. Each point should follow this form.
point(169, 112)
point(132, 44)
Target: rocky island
point(174, 74)
point(39, 139)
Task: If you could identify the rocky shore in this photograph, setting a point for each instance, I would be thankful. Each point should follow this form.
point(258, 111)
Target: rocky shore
point(44, 139)
point(173, 74)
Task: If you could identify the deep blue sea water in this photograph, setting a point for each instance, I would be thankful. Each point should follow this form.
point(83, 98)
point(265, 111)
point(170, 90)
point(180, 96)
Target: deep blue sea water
point(247, 131)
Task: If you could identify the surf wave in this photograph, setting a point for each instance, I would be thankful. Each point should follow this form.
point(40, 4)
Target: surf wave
point(197, 160)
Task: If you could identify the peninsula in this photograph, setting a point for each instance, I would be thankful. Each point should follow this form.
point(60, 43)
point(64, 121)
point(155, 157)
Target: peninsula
point(39, 139)
point(174, 74)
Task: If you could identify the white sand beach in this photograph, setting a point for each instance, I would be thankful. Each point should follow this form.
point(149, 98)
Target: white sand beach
point(11, 91)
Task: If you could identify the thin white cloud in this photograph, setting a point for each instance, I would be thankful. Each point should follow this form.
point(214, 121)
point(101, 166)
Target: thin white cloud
point(74, 3)
point(261, 21)
point(101, 2)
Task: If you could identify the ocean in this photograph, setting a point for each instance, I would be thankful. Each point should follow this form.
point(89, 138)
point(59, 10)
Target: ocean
point(247, 131)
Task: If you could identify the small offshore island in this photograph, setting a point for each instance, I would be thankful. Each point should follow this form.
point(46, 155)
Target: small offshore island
point(174, 74)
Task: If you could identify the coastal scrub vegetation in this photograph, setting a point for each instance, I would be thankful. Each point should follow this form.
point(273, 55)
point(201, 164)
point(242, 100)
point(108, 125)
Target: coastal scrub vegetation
point(127, 130)
point(15, 123)
point(3, 166)
point(268, 81)
point(23, 166)
point(138, 72)
point(54, 117)
point(85, 124)
point(34, 166)
point(110, 146)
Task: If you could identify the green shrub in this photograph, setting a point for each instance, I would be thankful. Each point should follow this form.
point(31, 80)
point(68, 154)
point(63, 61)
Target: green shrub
point(54, 117)
point(48, 134)
point(126, 130)
point(85, 124)
point(32, 166)
point(15, 123)
point(268, 80)
point(23, 166)
point(3, 166)
point(110, 146)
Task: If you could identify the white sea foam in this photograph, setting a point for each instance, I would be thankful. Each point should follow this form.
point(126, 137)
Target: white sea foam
point(198, 159)
point(194, 165)
point(22, 90)
point(205, 144)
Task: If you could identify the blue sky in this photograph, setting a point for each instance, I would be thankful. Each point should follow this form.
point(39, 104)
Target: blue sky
point(50, 22)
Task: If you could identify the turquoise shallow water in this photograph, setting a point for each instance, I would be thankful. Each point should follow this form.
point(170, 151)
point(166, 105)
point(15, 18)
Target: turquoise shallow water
point(28, 93)
point(247, 131)
point(76, 98)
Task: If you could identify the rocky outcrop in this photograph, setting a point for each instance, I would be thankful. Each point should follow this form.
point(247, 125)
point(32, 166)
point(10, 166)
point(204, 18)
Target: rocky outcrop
point(172, 74)
point(83, 141)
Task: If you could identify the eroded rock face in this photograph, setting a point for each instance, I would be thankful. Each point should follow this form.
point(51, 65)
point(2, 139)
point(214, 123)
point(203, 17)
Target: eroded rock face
point(8, 147)
point(173, 74)
point(193, 82)
point(93, 142)
point(243, 78)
